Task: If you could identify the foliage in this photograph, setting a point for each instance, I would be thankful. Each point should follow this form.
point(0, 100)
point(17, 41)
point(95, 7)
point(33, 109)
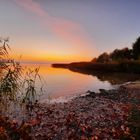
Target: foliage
point(3, 48)
point(94, 60)
point(13, 131)
point(121, 54)
point(3, 51)
point(16, 92)
point(103, 58)
point(30, 88)
point(136, 49)
point(14, 88)
point(134, 122)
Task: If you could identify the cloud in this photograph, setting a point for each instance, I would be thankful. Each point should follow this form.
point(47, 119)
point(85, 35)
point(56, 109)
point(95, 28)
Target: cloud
point(69, 31)
point(32, 6)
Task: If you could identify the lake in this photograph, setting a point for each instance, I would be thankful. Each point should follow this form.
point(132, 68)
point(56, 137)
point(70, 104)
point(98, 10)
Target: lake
point(62, 84)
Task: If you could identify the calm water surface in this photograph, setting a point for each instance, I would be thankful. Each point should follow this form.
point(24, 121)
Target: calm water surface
point(63, 83)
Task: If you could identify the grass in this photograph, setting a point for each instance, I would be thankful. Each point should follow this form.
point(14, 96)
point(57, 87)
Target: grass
point(14, 87)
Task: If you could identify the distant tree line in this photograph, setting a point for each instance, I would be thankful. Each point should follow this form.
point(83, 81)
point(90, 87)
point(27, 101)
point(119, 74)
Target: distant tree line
point(124, 54)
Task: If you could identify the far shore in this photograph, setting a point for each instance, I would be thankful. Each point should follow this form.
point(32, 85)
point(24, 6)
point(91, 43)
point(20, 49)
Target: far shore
point(125, 67)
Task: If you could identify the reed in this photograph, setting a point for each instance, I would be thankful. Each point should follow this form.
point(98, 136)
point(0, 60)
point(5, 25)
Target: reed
point(14, 87)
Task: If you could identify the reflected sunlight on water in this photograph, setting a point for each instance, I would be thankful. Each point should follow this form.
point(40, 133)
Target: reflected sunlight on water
point(61, 83)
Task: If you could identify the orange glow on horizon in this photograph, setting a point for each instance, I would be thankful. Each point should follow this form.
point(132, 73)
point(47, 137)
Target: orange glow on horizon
point(69, 40)
point(51, 53)
point(51, 58)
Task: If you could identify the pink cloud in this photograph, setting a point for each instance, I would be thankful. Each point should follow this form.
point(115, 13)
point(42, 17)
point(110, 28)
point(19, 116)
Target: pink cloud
point(69, 31)
point(32, 6)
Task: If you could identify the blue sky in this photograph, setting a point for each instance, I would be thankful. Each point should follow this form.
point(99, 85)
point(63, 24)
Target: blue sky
point(69, 30)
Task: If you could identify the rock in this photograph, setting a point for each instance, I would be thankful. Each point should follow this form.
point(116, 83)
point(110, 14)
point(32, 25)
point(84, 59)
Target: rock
point(132, 90)
point(104, 91)
point(91, 94)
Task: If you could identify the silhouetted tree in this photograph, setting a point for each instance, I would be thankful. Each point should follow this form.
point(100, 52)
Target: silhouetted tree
point(103, 58)
point(94, 60)
point(123, 54)
point(136, 49)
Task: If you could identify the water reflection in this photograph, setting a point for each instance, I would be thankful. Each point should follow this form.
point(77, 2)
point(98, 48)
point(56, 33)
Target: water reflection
point(59, 82)
point(112, 78)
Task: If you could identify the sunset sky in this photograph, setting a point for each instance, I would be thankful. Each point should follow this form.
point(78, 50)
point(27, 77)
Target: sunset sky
point(68, 30)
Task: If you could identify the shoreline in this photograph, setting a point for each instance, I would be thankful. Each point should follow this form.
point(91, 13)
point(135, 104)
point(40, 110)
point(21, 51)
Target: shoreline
point(103, 115)
point(89, 67)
